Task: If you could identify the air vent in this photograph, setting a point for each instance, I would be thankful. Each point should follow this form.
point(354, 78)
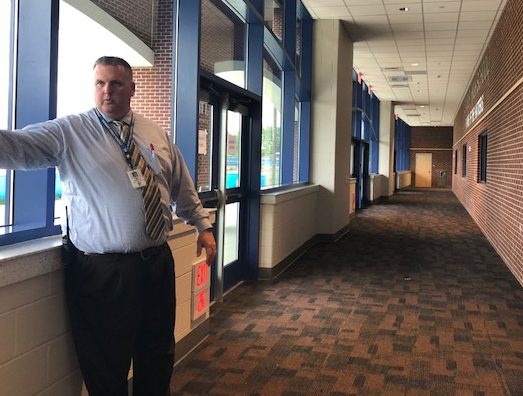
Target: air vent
point(399, 85)
point(392, 68)
point(400, 79)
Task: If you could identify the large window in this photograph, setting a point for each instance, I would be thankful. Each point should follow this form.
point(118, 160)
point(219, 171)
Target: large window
point(222, 43)
point(274, 17)
point(271, 123)
point(482, 158)
point(366, 119)
point(5, 99)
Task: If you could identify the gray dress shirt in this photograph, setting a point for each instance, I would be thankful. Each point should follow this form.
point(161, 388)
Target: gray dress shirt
point(105, 212)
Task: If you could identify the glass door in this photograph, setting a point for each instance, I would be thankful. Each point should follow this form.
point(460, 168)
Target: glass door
point(223, 150)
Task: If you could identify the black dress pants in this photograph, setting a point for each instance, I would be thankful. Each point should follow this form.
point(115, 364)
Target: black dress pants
point(122, 307)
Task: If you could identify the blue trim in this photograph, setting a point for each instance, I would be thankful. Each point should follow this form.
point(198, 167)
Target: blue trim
point(26, 235)
point(255, 58)
point(305, 122)
point(252, 210)
point(401, 145)
point(289, 31)
point(186, 37)
point(287, 138)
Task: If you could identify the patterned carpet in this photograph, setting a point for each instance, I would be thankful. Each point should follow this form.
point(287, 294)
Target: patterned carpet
point(412, 301)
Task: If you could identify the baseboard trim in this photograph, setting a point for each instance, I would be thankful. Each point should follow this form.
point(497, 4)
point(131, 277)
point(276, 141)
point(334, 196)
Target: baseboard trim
point(268, 274)
point(191, 341)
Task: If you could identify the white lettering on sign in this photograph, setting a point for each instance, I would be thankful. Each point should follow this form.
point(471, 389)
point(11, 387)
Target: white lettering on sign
point(475, 112)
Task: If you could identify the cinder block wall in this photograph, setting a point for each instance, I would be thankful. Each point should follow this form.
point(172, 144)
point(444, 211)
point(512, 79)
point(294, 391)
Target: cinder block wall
point(36, 353)
point(438, 142)
point(497, 205)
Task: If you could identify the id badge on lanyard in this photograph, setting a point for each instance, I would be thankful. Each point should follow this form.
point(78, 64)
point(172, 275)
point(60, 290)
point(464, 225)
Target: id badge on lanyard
point(136, 178)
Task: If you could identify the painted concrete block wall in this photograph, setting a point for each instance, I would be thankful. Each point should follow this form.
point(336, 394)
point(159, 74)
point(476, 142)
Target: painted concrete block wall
point(386, 147)
point(331, 122)
point(287, 221)
point(36, 353)
point(403, 179)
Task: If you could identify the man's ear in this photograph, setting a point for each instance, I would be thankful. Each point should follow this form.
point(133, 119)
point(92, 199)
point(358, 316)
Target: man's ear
point(133, 88)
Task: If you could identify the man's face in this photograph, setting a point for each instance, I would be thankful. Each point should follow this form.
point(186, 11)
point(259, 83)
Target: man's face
point(113, 90)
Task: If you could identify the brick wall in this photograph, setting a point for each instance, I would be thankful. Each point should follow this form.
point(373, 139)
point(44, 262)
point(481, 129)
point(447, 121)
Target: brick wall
point(438, 142)
point(153, 84)
point(136, 15)
point(497, 205)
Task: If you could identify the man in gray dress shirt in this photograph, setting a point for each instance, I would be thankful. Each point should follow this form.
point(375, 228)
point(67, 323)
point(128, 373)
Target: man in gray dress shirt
point(119, 280)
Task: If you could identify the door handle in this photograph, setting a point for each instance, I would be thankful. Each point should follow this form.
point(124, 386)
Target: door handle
point(221, 196)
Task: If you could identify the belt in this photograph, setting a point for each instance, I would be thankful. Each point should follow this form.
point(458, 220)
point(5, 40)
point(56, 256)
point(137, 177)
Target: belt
point(144, 254)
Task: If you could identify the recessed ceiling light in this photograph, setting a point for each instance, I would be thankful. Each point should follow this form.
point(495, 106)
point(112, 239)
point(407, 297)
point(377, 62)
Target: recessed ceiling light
point(414, 64)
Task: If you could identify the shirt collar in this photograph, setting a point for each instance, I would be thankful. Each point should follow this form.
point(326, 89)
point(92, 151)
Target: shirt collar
point(126, 118)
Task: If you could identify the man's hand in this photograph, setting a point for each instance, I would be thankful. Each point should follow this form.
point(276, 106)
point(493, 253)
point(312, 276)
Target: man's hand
point(206, 240)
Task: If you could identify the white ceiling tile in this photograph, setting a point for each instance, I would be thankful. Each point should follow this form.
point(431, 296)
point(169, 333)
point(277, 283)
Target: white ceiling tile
point(441, 6)
point(367, 10)
point(332, 12)
point(446, 17)
point(477, 16)
point(371, 20)
point(435, 26)
point(394, 9)
point(481, 5)
point(445, 37)
point(361, 2)
point(402, 2)
point(407, 27)
point(325, 3)
point(474, 25)
point(440, 34)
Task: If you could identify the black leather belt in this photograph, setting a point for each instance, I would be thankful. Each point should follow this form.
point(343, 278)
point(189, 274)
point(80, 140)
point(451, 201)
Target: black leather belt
point(145, 254)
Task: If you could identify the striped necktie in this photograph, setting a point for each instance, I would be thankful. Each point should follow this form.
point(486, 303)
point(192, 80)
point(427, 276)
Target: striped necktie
point(154, 219)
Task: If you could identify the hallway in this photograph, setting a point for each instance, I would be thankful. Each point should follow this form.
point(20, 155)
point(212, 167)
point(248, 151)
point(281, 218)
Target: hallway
point(412, 301)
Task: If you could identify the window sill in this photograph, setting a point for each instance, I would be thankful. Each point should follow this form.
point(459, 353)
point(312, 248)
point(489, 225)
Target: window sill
point(29, 259)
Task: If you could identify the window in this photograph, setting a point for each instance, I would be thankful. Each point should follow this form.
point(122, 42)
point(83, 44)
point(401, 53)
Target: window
point(296, 150)
point(299, 30)
point(271, 123)
point(464, 161)
point(455, 162)
point(482, 157)
point(5, 100)
point(273, 16)
point(223, 42)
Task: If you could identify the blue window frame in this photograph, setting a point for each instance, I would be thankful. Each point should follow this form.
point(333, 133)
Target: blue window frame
point(401, 145)
point(33, 192)
point(366, 119)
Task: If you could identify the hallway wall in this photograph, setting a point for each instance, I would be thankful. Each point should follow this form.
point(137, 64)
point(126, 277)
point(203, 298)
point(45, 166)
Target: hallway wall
point(331, 123)
point(493, 105)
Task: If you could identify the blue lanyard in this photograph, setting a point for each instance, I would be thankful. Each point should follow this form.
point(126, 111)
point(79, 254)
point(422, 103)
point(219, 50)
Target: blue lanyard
point(124, 146)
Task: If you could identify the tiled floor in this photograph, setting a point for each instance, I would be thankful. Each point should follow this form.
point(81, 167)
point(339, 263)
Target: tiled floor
point(412, 301)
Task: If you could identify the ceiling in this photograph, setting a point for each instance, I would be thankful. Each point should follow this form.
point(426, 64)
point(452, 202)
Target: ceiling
point(424, 58)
